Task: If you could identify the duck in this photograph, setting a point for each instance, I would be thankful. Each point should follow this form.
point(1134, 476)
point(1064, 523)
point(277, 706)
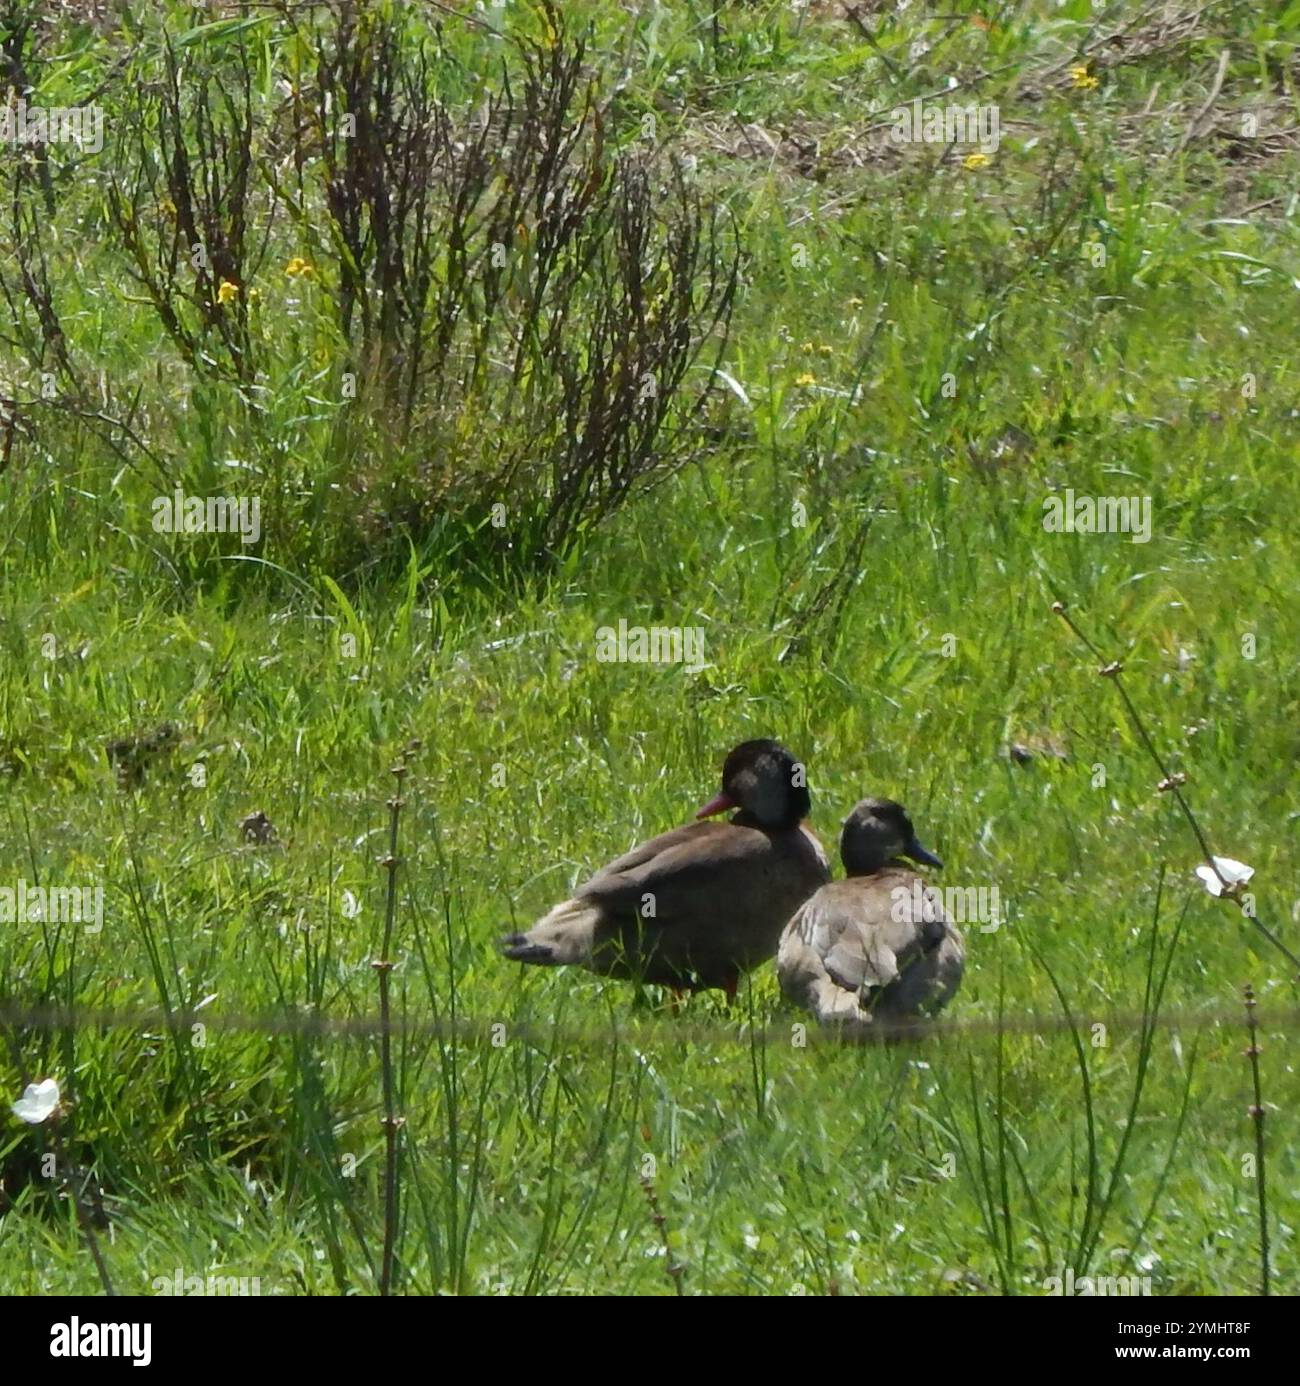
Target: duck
point(697, 907)
point(874, 953)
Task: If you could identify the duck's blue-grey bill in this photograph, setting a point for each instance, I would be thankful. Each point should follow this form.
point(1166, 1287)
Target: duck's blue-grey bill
point(918, 853)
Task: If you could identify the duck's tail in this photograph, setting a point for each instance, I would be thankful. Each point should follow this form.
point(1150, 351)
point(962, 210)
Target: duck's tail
point(566, 935)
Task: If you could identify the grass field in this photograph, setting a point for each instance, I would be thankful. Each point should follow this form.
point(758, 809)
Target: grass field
point(442, 410)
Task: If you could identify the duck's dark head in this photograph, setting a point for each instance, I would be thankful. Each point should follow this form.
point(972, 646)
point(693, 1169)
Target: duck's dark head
point(766, 783)
point(877, 831)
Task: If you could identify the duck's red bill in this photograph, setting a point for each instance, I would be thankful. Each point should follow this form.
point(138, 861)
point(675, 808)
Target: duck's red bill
point(720, 803)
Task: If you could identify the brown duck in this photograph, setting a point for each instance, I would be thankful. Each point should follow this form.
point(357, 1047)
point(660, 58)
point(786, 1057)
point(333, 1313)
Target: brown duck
point(875, 950)
point(696, 907)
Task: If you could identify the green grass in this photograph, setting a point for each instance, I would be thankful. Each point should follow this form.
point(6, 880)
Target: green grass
point(974, 1162)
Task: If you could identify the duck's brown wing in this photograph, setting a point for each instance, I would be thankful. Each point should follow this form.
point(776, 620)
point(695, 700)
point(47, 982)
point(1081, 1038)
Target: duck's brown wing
point(692, 907)
point(693, 874)
point(693, 835)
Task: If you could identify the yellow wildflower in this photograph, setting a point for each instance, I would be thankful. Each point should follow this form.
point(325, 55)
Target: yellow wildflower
point(805, 379)
point(227, 291)
point(975, 160)
point(300, 267)
point(1083, 79)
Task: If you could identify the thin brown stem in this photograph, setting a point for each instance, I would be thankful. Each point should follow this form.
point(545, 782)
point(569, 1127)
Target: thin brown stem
point(383, 965)
point(1170, 783)
point(673, 1269)
point(83, 1216)
point(1257, 1117)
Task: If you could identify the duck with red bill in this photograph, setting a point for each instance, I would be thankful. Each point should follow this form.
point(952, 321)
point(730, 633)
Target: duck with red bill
point(698, 906)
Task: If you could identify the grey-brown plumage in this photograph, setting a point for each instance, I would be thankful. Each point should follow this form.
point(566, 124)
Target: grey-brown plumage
point(695, 907)
point(874, 953)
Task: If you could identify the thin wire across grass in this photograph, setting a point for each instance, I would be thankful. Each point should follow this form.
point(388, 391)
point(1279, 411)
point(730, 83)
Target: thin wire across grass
point(488, 1031)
